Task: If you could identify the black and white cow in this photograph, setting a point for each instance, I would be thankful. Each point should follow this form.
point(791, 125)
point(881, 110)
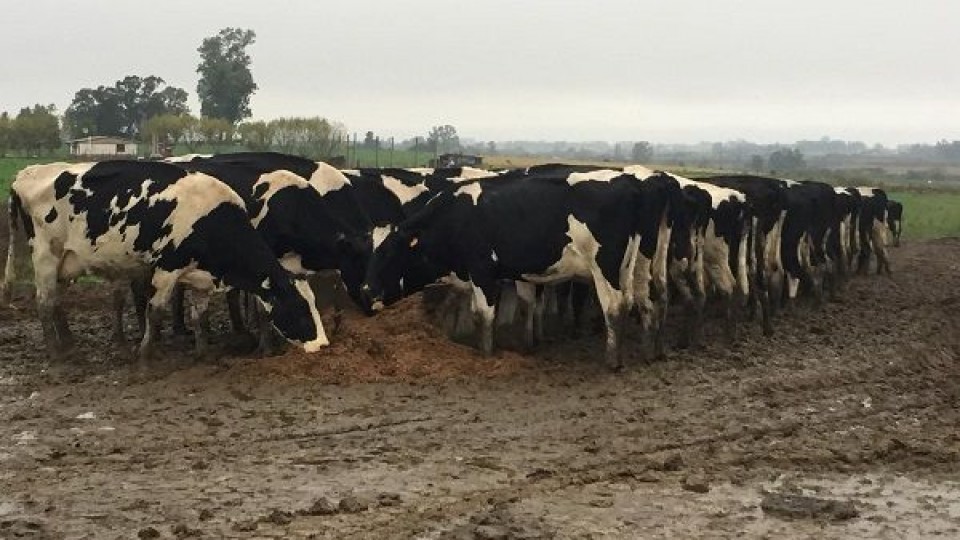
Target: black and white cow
point(294, 221)
point(122, 218)
point(720, 237)
point(895, 220)
point(391, 195)
point(347, 218)
point(873, 229)
point(767, 205)
point(844, 239)
point(538, 229)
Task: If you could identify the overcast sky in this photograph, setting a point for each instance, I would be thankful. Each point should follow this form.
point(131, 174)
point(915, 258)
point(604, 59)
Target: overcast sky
point(666, 71)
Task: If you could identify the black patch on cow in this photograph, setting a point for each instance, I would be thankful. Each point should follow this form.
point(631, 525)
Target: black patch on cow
point(51, 215)
point(17, 213)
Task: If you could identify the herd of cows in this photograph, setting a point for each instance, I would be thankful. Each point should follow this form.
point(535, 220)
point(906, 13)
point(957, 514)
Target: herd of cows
point(263, 223)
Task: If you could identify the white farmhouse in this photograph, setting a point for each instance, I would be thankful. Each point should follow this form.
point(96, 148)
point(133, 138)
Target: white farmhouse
point(102, 146)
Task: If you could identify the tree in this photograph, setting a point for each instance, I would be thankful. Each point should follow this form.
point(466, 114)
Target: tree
point(641, 152)
point(168, 129)
point(948, 150)
point(256, 136)
point(492, 148)
point(443, 139)
point(786, 159)
point(369, 140)
point(756, 163)
point(6, 128)
point(315, 137)
point(226, 82)
point(36, 130)
point(124, 108)
point(215, 131)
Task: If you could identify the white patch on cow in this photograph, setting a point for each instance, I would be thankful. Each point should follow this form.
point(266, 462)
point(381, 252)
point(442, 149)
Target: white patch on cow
point(293, 263)
point(380, 234)
point(473, 190)
point(196, 195)
point(603, 175)
point(469, 173)
point(187, 157)
point(327, 178)
point(716, 261)
point(793, 286)
point(866, 191)
point(403, 192)
point(639, 171)
point(493, 255)
point(196, 279)
point(265, 284)
point(454, 281)
point(717, 194)
point(307, 293)
point(577, 258)
point(275, 181)
point(481, 305)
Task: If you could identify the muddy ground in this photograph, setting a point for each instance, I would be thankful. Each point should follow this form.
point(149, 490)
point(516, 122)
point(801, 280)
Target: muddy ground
point(394, 432)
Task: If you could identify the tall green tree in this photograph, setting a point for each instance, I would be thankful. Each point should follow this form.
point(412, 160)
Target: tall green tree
point(124, 108)
point(226, 82)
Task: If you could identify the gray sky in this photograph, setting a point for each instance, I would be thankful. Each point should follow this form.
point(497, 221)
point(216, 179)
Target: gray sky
point(666, 71)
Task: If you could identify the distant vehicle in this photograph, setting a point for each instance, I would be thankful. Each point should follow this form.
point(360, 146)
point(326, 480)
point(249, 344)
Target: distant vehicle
point(457, 160)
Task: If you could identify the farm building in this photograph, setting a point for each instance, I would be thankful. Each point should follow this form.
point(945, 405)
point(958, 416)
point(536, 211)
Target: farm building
point(103, 146)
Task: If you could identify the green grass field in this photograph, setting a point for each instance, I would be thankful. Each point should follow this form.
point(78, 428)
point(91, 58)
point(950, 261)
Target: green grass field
point(10, 166)
point(929, 214)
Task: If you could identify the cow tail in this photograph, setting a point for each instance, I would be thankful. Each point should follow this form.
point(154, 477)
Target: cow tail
point(14, 213)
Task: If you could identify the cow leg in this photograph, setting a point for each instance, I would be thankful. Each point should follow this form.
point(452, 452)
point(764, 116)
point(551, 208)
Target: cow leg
point(163, 283)
point(539, 313)
point(10, 270)
point(235, 311)
point(527, 293)
point(46, 265)
point(139, 290)
point(63, 326)
point(484, 308)
point(200, 318)
point(660, 297)
point(177, 311)
point(879, 239)
point(612, 303)
point(119, 303)
point(269, 343)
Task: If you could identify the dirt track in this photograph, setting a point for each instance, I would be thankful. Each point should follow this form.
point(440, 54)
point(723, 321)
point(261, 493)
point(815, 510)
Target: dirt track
point(857, 402)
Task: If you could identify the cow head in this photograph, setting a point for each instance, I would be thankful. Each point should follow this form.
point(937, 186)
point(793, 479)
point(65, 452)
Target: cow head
point(292, 309)
point(389, 264)
point(353, 254)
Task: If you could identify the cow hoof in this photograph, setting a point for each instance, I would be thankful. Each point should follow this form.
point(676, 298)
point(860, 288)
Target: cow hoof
point(205, 356)
point(242, 343)
point(616, 368)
